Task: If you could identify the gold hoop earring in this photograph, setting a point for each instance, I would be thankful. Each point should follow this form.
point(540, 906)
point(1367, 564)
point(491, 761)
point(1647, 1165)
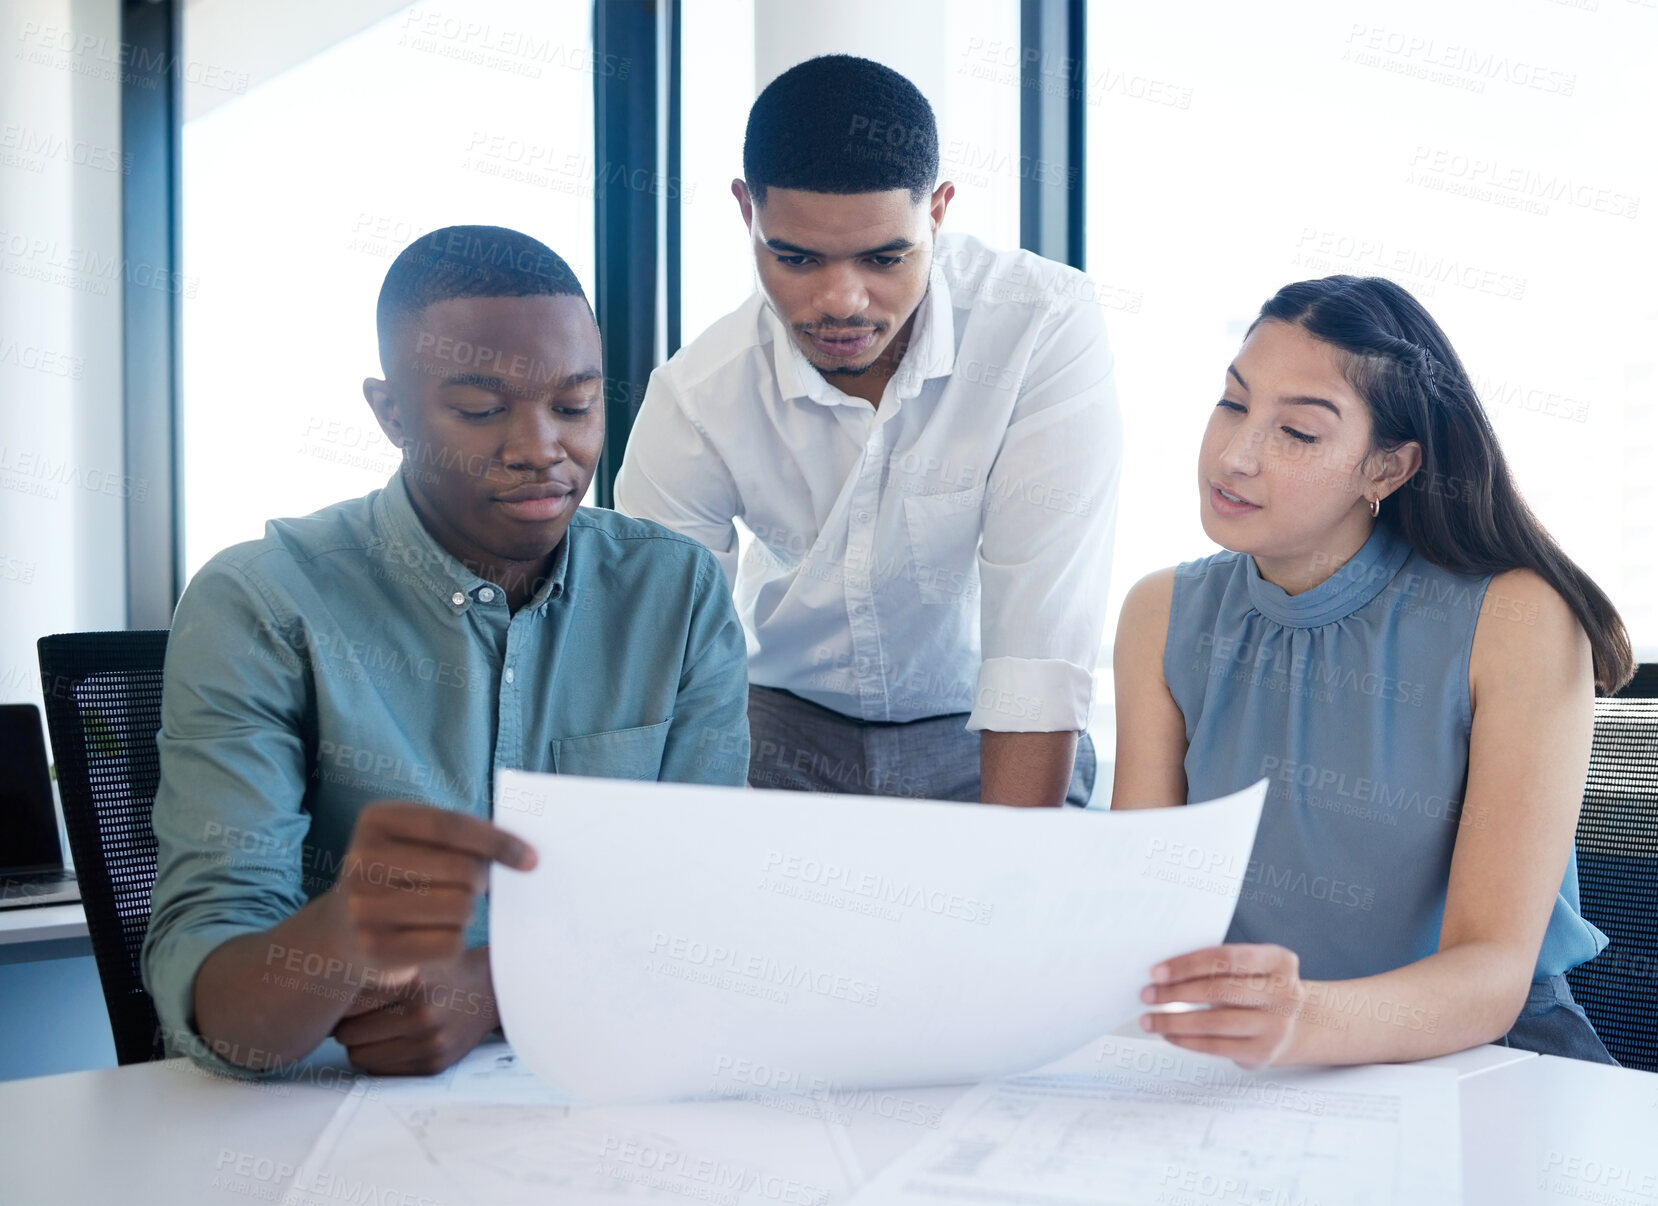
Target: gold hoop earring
point(1375, 507)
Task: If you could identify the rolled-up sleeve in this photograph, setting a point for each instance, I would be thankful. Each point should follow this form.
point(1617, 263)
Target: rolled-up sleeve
point(1050, 511)
point(672, 475)
point(708, 741)
point(229, 824)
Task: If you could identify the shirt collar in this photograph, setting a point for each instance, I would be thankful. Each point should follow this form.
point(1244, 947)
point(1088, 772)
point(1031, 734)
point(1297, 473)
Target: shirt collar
point(411, 553)
point(932, 351)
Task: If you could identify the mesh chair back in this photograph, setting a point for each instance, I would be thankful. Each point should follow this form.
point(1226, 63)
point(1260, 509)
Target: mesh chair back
point(103, 709)
point(1617, 873)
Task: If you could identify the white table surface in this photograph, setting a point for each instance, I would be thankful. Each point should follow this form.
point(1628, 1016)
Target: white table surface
point(1560, 1130)
point(1536, 1129)
point(42, 924)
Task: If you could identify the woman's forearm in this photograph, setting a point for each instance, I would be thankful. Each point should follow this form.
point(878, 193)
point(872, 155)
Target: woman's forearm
point(1458, 998)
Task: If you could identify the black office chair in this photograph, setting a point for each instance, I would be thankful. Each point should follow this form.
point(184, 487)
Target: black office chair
point(1617, 873)
point(103, 709)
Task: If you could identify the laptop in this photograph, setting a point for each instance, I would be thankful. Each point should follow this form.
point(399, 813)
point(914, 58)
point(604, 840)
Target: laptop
point(31, 857)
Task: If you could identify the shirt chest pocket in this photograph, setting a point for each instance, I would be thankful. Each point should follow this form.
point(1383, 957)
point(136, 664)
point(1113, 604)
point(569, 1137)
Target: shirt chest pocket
point(617, 754)
point(944, 534)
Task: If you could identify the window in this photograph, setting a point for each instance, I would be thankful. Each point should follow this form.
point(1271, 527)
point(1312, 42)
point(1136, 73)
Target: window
point(1485, 155)
point(300, 189)
point(716, 90)
point(978, 120)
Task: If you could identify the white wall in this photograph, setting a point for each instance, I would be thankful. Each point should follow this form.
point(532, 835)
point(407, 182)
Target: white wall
point(62, 550)
point(903, 36)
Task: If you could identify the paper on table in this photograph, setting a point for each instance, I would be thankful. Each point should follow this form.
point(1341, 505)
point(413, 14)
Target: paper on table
point(490, 1074)
point(679, 941)
point(421, 1141)
point(1151, 1123)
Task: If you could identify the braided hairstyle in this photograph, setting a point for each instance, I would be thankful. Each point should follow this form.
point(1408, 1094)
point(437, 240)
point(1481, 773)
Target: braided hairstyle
point(1461, 509)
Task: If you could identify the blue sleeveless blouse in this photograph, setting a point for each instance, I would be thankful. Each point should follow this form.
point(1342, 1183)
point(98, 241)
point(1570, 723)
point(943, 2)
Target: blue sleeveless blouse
point(1351, 699)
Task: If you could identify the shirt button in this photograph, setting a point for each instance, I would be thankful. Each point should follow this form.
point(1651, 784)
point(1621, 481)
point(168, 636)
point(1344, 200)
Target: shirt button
point(508, 675)
point(486, 595)
point(863, 516)
point(457, 598)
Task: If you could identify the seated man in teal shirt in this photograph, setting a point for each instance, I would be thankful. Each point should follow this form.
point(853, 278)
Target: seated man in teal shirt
point(339, 694)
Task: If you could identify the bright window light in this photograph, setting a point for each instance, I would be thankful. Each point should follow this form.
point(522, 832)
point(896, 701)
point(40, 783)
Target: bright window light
point(298, 194)
point(1487, 156)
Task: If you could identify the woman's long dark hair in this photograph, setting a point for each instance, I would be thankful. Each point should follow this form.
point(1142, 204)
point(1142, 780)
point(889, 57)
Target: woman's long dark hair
point(1461, 509)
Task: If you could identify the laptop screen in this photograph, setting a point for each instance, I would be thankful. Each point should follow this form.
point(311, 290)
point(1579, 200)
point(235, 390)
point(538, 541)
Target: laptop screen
point(28, 825)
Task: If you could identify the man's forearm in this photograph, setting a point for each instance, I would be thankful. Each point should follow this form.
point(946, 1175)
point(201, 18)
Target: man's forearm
point(407, 891)
point(268, 999)
point(1026, 769)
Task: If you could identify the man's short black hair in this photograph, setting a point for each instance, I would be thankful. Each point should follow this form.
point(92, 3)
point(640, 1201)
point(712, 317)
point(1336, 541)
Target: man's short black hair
point(467, 261)
point(840, 124)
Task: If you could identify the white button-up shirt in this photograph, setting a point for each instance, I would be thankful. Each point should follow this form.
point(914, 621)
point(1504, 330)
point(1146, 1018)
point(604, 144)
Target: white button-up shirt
point(948, 551)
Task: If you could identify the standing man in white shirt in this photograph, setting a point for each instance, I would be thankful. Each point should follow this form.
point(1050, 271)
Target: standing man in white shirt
point(922, 436)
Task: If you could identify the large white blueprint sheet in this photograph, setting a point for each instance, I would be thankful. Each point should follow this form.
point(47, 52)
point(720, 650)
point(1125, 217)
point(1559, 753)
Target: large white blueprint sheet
point(488, 1134)
point(1141, 1122)
point(1126, 1120)
point(679, 941)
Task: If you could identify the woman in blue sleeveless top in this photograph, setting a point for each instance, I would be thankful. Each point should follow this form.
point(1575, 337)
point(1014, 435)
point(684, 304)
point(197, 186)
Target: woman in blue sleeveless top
point(1394, 642)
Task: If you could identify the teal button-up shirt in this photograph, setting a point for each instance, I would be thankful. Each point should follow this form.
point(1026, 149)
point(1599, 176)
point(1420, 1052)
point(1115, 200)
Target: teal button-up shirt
point(347, 658)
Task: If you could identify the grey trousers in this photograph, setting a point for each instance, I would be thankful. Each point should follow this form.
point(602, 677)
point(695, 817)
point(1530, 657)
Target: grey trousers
point(798, 746)
point(1552, 1023)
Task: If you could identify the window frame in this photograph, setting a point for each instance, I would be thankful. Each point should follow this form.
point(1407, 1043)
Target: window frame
point(637, 235)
